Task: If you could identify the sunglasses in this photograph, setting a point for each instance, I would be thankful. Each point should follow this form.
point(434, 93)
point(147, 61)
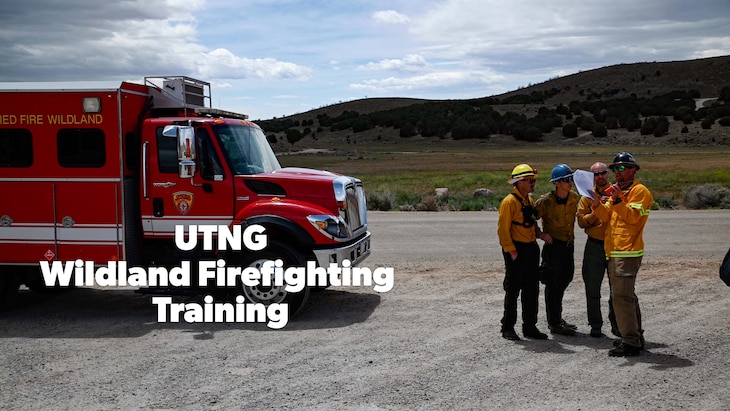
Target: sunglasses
point(600, 173)
point(566, 180)
point(621, 168)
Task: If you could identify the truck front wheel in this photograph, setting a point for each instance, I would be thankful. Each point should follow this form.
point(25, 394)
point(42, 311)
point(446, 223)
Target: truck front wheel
point(274, 293)
point(8, 287)
point(4, 288)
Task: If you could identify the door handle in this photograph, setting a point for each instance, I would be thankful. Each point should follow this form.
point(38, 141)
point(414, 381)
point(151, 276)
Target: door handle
point(158, 209)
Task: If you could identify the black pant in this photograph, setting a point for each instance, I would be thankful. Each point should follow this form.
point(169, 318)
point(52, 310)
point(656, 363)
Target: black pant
point(556, 271)
point(521, 276)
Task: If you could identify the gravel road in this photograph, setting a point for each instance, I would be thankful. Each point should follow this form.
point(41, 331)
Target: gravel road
point(432, 342)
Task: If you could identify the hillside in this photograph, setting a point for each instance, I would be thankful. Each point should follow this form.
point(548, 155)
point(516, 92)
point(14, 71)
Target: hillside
point(702, 78)
point(643, 79)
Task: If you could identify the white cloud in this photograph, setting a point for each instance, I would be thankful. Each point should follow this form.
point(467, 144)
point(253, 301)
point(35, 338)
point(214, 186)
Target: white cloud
point(411, 62)
point(442, 79)
point(714, 47)
point(390, 16)
point(221, 63)
point(130, 39)
point(509, 31)
point(315, 53)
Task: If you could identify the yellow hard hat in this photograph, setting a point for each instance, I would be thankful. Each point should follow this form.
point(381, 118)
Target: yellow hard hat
point(520, 172)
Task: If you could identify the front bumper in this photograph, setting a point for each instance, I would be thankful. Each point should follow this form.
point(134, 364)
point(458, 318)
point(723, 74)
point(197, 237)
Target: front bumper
point(355, 252)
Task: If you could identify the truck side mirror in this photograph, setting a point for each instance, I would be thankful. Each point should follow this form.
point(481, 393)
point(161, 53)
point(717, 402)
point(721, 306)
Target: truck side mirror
point(185, 148)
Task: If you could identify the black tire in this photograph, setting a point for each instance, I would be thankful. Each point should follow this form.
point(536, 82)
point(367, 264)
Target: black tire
point(34, 281)
point(273, 294)
point(8, 288)
point(4, 288)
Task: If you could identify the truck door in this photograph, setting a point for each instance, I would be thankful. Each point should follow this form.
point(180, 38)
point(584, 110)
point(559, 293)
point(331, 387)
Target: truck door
point(207, 198)
point(88, 215)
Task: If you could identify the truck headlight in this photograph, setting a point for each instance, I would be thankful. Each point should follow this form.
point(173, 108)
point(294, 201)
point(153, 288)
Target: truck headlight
point(331, 226)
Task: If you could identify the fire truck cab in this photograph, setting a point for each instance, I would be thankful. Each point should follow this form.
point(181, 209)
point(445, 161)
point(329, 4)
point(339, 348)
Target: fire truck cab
point(107, 175)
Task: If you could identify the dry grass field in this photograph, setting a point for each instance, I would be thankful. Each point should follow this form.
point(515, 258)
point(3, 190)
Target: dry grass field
point(669, 171)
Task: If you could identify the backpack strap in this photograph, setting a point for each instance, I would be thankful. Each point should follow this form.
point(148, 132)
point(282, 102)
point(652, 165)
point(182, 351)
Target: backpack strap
point(527, 221)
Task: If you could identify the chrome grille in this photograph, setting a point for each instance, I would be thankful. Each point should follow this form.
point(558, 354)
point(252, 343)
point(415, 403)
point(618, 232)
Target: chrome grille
point(350, 191)
point(356, 207)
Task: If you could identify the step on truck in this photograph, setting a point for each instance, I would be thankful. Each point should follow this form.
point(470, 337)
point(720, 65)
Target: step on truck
point(107, 174)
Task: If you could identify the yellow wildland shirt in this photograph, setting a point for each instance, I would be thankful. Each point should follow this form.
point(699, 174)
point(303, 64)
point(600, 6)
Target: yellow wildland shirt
point(558, 216)
point(511, 225)
point(588, 220)
point(626, 220)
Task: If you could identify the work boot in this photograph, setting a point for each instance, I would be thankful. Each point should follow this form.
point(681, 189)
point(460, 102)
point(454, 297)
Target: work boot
point(568, 325)
point(624, 350)
point(510, 334)
point(534, 333)
point(559, 329)
point(617, 342)
point(596, 332)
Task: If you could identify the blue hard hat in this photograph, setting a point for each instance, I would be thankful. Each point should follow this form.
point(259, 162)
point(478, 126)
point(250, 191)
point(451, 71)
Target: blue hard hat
point(561, 171)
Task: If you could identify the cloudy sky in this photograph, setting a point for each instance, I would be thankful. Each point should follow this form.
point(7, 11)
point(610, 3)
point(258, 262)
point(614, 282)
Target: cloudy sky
point(280, 57)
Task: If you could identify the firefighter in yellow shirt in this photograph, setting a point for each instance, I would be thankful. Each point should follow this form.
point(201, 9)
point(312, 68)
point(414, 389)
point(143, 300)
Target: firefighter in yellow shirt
point(517, 237)
point(595, 264)
point(557, 210)
point(625, 212)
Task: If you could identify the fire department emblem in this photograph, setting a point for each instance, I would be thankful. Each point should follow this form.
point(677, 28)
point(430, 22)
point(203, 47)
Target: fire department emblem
point(183, 201)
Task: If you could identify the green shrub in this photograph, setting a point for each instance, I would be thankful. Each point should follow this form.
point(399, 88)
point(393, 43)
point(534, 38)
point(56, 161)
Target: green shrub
point(293, 135)
point(707, 196)
point(648, 126)
point(429, 203)
point(612, 123)
point(600, 130)
point(682, 112)
point(725, 93)
point(665, 202)
point(575, 107)
point(381, 201)
point(403, 199)
point(633, 124)
point(408, 130)
point(587, 123)
point(473, 204)
point(562, 110)
point(662, 128)
point(467, 202)
point(362, 123)
point(570, 130)
point(529, 133)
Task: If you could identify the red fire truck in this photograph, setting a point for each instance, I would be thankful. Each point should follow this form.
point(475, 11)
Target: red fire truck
point(106, 175)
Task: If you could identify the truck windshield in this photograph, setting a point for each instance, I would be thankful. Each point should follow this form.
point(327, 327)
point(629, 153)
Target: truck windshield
point(246, 149)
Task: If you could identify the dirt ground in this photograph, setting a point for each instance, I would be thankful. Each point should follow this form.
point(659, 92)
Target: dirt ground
point(432, 342)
